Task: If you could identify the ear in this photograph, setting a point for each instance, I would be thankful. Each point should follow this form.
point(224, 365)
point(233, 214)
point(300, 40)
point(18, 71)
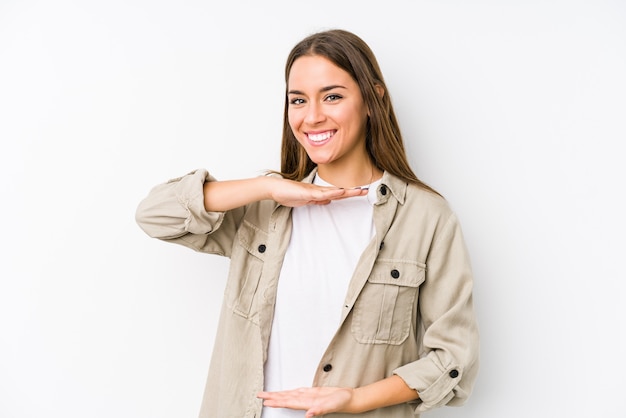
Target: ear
point(380, 90)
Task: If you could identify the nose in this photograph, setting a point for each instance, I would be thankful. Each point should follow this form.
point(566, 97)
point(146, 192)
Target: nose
point(314, 114)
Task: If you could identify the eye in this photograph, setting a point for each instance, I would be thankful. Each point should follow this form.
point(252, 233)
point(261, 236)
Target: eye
point(333, 97)
point(296, 101)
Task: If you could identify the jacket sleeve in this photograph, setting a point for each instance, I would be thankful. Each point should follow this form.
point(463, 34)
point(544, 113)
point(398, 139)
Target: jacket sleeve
point(448, 364)
point(174, 212)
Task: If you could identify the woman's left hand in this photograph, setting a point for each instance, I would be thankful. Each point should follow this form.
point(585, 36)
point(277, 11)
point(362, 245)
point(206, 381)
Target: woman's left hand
point(315, 401)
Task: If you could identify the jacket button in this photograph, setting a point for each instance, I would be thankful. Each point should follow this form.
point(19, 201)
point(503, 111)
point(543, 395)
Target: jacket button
point(262, 248)
point(395, 273)
point(454, 373)
point(327, 367)
point(383, 190)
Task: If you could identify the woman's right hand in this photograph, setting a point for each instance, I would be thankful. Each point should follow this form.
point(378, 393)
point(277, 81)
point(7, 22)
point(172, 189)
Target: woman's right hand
point(294, 193)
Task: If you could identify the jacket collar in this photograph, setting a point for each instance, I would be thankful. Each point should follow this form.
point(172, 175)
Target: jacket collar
point(389, 182)
point(394, 184)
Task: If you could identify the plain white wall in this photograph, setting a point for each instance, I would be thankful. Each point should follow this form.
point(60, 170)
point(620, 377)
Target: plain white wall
point(514, 110)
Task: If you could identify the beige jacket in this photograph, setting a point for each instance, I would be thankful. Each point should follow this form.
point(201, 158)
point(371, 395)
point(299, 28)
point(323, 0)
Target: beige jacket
point(408, 309)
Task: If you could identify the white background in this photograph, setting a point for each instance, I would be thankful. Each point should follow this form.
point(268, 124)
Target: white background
point(514, 110)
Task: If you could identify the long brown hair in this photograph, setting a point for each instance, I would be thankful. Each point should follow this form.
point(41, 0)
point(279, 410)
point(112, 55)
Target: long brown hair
point(384, 140)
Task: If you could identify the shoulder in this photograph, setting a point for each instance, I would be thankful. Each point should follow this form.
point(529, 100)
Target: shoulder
point(427, 210)
point(416, 194)
point(416, 198)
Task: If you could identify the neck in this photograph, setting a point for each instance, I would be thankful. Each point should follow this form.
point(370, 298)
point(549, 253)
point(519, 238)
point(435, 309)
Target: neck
point(350, 178)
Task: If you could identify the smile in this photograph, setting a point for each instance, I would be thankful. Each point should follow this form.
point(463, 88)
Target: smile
point(321, 136)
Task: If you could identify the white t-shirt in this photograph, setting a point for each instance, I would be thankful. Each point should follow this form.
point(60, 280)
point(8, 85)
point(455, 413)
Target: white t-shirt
point(326, 244)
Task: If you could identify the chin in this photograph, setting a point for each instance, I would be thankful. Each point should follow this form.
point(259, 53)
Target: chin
point(321, 161)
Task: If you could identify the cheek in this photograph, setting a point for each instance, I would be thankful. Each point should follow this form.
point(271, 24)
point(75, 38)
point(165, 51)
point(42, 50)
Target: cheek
point(351, 116)
point(360, 119)
point(294, 119)
point(293, 123)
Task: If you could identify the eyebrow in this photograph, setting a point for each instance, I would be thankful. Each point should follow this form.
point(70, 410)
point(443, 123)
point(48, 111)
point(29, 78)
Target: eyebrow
point(322, 90)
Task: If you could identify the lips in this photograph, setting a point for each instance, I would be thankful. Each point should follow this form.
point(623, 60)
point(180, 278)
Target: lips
point(320, 137)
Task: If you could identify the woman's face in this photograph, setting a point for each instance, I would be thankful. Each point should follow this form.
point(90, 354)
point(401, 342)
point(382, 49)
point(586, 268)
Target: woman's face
point(327, 113)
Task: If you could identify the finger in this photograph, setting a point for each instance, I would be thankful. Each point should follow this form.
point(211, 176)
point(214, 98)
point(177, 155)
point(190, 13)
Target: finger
point(315, 411)
point(285, 396)
point(353, 193)
point(296, 404)
point(349, 193)
point(325, 194)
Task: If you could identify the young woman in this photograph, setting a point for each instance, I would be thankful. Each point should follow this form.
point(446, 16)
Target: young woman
point(350, 288)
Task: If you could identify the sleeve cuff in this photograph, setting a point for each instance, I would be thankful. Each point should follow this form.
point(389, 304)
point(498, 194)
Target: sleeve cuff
point(190, 195)
point(434, 385)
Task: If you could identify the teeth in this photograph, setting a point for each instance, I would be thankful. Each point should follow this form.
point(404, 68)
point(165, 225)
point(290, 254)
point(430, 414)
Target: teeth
point(320, 137)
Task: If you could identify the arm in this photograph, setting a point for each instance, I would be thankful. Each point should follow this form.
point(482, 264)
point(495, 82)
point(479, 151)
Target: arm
point(446, 374)
point(390, 391)
point(324, 400)
point(189, 210)
point(220, 196)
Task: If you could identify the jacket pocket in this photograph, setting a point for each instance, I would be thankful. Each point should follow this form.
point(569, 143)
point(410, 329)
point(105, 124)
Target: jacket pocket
point(246, 267)
point(383, 312)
